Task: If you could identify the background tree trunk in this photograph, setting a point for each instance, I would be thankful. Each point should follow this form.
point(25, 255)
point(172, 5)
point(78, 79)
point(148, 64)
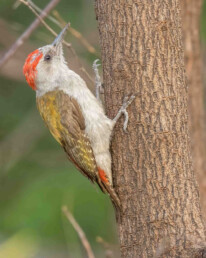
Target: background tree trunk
point(142, 52)
point(191, 13)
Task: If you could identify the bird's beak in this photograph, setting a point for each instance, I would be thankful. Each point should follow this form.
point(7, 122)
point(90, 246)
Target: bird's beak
point(58, 40)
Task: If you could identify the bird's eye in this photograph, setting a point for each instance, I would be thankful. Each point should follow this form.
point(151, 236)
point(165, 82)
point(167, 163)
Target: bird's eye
point(47, 57)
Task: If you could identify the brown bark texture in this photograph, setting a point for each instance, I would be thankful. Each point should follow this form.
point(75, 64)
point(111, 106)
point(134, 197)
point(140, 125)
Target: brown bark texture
point(142, 52)
point(191, 13)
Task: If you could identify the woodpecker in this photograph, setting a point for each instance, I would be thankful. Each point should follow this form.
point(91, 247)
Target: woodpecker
point(74, 116)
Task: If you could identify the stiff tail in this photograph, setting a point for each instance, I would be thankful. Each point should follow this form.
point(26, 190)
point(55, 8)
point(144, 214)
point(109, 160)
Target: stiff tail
point(106, 187)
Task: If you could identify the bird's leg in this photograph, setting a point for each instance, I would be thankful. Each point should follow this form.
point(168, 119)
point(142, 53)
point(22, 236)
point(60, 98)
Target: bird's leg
point(98, 84)
point(123, 110)
point(127, 100)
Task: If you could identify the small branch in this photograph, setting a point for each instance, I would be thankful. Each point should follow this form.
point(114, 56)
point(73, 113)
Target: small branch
point(108, 247)
point(31, 6)
point(27, 32)
point(49, 17)
point(76, 34)
point(79, 231)
point(42, 21)
point(86, 73)
point(57, 19)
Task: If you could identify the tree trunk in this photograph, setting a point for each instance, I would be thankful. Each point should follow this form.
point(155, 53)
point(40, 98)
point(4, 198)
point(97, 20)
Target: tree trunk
point(142, 52)
point(191, 11)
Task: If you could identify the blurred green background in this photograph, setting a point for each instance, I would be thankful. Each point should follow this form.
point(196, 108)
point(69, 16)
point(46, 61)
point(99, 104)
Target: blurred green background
point(36, 178)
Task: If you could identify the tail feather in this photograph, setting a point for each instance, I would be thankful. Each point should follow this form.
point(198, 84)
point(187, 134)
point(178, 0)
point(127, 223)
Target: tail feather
point(106, 187)
point(103, 182)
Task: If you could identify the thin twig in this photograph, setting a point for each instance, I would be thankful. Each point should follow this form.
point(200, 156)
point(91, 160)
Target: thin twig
point(108, 247)
point(39, 10)
point(43, 22)
point(75, 33)
point(16, 4)
point(79, 231)
point(60, 23)
point(27, 33)
point(69, 45)
point(86, 73)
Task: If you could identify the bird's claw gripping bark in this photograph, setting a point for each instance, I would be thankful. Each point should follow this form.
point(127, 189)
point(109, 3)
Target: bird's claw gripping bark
point(123, 110)
point(98, 84)
point(126, 102)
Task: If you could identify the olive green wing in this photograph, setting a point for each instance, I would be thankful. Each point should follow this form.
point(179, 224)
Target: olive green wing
point(72, 135)
point(63, 116)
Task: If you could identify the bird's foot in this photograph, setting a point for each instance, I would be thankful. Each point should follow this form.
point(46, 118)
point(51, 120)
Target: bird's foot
point(123, 110)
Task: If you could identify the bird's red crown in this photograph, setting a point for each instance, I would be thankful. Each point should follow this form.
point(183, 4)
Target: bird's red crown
point(30, 65)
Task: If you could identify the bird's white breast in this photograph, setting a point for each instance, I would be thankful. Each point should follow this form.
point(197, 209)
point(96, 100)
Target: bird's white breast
point(98, 125)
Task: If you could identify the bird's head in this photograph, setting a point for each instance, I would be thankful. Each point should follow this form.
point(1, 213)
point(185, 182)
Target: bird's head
point(43, 63)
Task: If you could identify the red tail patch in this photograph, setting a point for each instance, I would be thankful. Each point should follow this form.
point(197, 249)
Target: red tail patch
point(30, 65)
point(103, 175)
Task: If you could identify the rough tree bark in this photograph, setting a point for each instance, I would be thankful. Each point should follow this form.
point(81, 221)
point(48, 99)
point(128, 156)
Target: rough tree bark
point(191, 12)
point(142, 52)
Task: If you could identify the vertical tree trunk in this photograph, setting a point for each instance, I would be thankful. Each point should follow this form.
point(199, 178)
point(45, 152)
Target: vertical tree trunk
point(142, 53)
point(191, 11)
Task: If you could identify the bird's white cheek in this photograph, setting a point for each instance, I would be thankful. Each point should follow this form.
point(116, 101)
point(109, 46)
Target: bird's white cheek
point(41, 75)
point(46, 78)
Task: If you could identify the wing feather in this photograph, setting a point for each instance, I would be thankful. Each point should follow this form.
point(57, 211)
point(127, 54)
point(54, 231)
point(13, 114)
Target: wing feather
point(67, 125)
